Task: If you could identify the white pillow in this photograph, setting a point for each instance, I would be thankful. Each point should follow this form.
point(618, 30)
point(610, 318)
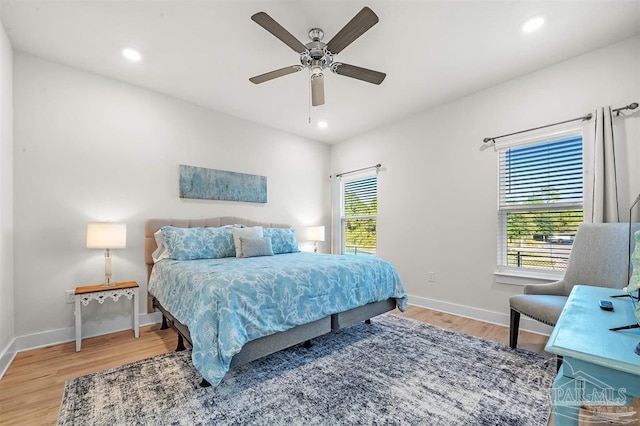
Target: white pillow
point(161, 252)
point(254, 232)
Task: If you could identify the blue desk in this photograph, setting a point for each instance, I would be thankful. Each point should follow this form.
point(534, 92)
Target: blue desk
point(599, 366)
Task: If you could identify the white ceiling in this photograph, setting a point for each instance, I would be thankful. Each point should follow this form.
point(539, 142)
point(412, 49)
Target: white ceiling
point(205, 51)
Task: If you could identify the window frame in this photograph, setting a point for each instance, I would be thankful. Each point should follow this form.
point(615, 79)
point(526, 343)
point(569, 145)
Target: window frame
point(506, 274)
point(343, 218)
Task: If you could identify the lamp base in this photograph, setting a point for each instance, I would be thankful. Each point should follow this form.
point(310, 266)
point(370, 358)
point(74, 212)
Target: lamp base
point(107, 281)
point(107, 269)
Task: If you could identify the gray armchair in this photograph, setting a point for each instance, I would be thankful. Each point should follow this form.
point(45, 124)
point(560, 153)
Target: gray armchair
point(599, 257)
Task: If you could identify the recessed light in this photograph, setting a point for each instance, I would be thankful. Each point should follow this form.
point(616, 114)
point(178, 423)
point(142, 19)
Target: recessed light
point(323, 124)
point(533, 24)
point(131, 54)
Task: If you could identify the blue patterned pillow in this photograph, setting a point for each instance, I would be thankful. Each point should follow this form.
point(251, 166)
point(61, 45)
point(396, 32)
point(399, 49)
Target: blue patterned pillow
point(198, 243)
point(283, 240)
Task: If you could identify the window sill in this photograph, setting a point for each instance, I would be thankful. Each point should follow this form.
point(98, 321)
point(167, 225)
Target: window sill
point(522, 278)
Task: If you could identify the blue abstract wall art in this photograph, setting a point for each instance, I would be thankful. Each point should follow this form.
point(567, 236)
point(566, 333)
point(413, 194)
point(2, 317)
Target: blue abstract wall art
point(211, 184)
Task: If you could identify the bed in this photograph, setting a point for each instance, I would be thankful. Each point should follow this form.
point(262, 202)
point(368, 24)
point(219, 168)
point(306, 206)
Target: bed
point(235, 310)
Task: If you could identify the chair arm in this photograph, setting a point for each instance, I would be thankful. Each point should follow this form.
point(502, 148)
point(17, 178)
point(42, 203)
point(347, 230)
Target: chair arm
point(556, 288)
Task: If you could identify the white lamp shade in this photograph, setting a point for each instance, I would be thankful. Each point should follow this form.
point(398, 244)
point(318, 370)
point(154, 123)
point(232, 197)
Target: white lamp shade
point(315, 233)
point(106, 235)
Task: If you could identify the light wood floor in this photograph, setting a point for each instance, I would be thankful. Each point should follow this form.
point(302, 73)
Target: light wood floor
point(530, 341)
point(31, 390)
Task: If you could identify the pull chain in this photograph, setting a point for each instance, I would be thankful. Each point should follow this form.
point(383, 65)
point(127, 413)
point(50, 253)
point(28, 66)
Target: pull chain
point(309, 96)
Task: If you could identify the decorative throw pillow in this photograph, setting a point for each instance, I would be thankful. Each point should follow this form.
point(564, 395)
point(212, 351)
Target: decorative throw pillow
point(198, 243)
point(253, 247)
point(283, 240)
point(253, 232)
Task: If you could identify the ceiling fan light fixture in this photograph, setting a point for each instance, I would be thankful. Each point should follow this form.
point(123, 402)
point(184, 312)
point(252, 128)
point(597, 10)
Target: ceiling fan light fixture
point(317, 89)
point(131, 54)
point(316, 67)
point(533, 24)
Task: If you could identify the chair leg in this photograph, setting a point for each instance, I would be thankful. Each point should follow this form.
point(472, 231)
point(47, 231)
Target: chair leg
point(514, 326)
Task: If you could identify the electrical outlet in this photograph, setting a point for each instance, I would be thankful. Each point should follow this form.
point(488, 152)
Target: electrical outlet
point(431, 277)
point(70, 296)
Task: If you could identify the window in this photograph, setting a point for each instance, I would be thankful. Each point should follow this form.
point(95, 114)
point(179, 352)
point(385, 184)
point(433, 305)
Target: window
point(540, 204)
point(358, 217)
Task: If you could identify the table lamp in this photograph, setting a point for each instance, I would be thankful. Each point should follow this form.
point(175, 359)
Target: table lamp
point(107, 236)
point(315, 234)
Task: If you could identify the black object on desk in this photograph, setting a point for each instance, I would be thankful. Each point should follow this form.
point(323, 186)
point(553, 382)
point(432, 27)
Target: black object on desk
point(606, 305)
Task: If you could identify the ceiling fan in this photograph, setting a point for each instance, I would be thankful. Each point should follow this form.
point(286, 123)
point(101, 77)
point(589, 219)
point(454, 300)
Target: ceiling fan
point(317, 56)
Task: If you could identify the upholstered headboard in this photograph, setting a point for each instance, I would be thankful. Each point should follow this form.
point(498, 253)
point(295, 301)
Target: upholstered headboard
point(153, 225)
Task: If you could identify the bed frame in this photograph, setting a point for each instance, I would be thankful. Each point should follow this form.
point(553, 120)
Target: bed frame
point(268, 344)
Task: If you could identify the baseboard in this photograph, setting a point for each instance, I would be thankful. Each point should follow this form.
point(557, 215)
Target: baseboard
point(7, 356)
point(526, 324)
point(63, 335)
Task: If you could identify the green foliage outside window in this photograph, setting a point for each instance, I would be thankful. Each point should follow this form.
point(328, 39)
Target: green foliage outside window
point(360, 236)
point(539, 225)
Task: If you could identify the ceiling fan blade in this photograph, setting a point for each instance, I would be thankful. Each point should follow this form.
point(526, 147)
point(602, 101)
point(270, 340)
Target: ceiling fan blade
point(317, 89)
point(357, 26)
point(269, 24)
point(364, 74)
point(275, 74)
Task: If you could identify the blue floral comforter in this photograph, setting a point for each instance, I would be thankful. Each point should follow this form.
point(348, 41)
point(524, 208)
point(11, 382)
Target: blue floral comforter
point(231, 301)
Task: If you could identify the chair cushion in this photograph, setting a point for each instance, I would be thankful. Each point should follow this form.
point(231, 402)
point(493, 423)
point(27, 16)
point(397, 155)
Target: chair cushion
point(543, 308)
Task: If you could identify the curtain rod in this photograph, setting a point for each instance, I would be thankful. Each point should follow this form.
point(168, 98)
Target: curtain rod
point(631, 106)
point(377, 167)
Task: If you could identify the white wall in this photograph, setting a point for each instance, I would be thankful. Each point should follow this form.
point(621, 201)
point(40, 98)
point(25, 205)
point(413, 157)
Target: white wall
point(438, 195)
point(88, 148)
point(6, 195)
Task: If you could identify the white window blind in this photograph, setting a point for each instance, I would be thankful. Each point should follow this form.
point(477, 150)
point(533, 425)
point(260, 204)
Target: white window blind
point(540, 203)
point(359, 215)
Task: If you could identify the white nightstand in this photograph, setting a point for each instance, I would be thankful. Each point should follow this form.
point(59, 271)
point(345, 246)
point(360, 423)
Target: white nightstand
point(85, 294)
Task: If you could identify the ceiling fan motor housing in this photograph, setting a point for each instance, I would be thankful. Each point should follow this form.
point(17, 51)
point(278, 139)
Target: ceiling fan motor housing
point(316, 58)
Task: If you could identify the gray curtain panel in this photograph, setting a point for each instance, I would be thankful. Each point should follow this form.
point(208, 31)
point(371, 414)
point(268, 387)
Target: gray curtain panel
point(604, 204)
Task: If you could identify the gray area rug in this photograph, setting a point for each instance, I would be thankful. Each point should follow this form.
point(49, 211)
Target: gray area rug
point(393, 371)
